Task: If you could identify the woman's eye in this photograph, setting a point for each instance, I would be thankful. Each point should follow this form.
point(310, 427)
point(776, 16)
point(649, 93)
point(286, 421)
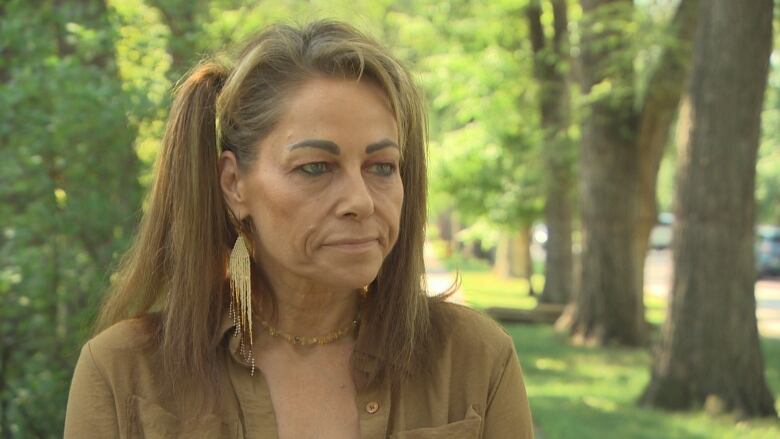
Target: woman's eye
point(317, 168)
point(383, 169)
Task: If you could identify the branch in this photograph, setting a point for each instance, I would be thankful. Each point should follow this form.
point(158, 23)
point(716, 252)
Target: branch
point(661, 100)
point(669, 76)
point(534, 14)
point(560, 26)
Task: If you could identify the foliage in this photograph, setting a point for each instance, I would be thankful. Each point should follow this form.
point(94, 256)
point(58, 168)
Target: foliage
point(70, 192)
point(484, 124)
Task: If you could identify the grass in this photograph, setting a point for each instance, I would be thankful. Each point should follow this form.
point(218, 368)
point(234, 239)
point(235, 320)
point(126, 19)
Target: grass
point(591, 392)
point(485, 289)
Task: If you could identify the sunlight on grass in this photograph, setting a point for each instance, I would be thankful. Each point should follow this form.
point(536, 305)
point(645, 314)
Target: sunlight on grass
point(604, 405)
point(485, 289)
point(655, 309)
point(549, 364)
point(578, 392)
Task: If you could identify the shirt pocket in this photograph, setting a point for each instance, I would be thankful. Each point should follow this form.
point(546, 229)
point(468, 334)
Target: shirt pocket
point(149, 420)
point(469, 428)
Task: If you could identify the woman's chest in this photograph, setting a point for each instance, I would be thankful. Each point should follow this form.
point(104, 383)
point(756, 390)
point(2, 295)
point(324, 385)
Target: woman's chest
point(315, 415)
point(312, 400)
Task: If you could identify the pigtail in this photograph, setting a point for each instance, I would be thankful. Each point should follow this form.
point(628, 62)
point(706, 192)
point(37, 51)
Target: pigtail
point(181, 249)
point(199, 227)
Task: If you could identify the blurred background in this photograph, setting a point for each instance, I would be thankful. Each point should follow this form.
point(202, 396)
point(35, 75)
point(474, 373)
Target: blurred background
point(604, 178)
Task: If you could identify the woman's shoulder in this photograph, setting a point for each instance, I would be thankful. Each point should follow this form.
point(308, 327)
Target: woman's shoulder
point(470, 331)
point(123, 344)
point(126, 335)
point(475, 357)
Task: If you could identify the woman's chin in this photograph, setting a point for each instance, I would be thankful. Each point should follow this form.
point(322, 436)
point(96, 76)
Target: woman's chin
point(354, 280)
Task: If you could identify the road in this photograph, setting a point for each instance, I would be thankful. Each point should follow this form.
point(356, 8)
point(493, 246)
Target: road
point(658, 281)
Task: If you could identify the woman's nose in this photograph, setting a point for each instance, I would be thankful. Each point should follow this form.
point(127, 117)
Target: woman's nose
point(356, 200)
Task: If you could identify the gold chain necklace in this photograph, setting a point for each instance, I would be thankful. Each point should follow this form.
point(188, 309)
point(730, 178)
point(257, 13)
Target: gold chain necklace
point(299, 340)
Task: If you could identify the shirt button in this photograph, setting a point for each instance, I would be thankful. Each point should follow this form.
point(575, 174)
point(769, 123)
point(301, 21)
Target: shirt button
point(372, 407)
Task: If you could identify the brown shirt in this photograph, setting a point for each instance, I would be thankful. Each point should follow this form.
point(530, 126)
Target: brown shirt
point(476, 390)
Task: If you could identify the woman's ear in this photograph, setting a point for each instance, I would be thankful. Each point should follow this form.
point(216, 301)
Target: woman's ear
point(231, 184)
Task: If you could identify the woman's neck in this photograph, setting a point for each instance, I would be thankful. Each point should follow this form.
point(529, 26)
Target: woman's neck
point(311, 311)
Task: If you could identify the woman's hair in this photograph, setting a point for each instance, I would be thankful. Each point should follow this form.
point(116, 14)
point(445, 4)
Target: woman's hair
point(178, 262)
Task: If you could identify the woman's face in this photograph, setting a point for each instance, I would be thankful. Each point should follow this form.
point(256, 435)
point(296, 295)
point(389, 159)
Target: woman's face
point(325, 193)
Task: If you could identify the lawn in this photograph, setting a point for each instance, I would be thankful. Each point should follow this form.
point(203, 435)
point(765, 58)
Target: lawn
point(591, 392)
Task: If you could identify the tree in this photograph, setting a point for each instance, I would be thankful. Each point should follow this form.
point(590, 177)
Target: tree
point(768, 167)
point(473, 62)
point(69, 195)
point(184, 21)
point(621, 149)
point(710, 352)
point(551, 61)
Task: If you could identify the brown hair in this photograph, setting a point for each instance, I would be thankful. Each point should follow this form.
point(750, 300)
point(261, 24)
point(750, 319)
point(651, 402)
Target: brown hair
point(177, 265)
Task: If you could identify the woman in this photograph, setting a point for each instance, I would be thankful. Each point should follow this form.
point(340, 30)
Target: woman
point(275, 283)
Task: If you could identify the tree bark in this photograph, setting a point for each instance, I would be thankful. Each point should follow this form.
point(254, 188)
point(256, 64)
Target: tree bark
point(551, 59)
point(455, 227)
point(659, 107)
point(513, 255)
point(607, 308)
point(523, 262)
point(710, 352)
point(621, 153)
point(501, 265)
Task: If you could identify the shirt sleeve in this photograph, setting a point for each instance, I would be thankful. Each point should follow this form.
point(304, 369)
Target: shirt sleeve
point(91, 411)
point(508, 414)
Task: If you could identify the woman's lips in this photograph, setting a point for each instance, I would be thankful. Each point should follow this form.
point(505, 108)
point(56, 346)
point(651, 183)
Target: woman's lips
point(353, 245)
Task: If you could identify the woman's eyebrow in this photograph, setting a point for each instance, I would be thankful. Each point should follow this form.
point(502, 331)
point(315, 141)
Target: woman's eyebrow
point(326, 145)
point(384, 143)
point(334, 149)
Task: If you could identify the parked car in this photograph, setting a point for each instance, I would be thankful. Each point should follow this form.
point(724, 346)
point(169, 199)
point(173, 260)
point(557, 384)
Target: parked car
point(767, 250)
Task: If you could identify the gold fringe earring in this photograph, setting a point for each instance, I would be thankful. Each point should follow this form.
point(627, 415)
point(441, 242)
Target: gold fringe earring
point(241, 298)
point(364, 291)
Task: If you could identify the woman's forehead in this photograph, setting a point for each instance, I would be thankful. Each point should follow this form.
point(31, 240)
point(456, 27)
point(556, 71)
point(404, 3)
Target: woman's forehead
point(340, 111)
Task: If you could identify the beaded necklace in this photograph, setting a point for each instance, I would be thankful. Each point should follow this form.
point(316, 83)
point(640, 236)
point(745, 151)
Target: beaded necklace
point(299, 340)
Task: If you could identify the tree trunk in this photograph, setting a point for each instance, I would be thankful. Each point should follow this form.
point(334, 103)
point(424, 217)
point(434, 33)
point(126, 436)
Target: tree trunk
point(550, 59)
point(520, 255)
point(559, 261)
point(608, 307)
point(621, 154)
point(513, 254)
point(455, 246)
point(659, 107)
point(524, 262)
point(502, 265)
point(443, 223)
point(710, 352)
